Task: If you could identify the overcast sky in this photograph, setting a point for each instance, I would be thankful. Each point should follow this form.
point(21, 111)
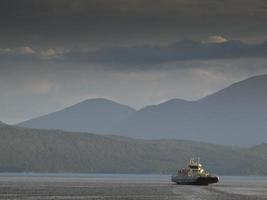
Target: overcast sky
point(57, 53)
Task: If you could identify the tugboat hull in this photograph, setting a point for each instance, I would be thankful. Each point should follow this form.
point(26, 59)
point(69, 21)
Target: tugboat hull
point(195, 180)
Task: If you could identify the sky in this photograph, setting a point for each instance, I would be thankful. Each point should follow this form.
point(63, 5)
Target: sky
point(57, 53)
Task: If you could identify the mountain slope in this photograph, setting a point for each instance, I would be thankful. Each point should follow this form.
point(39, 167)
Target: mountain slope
point(236, 115)
point(33, 150)
point(94, 115)
point(2, 124)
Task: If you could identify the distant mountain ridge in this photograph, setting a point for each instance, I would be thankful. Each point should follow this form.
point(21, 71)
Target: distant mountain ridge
point(93, 115)
point(2, 124)
point(236, 115)
point(33, 150)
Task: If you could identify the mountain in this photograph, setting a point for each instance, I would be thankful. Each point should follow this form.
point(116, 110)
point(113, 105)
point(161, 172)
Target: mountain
point(93, 115)
point(2, 124)
point(33, 150)
point(236, 115)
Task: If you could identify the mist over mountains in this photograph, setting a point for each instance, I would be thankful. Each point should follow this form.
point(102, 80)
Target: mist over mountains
point(235, 115)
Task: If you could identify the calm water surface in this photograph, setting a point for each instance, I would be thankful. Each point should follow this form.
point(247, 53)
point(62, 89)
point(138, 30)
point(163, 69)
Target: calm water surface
point(125, 186)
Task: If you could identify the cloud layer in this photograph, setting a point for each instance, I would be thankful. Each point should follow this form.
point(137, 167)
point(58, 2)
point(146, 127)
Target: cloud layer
point(143, 57)
point(54, 53)
point(98, 23)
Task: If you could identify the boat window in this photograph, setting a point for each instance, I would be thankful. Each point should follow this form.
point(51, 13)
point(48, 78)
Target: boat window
point(193, 167)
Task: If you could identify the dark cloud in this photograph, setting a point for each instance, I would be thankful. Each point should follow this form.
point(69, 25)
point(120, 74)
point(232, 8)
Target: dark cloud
point(97, 23)
point(180, 51)
point(136, 7)
point(143, 57)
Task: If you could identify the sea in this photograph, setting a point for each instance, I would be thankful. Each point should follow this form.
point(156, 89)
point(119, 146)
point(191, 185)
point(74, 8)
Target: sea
point(48, 186)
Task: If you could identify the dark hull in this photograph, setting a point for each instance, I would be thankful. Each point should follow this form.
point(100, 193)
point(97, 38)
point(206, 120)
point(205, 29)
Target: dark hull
point(195, 180)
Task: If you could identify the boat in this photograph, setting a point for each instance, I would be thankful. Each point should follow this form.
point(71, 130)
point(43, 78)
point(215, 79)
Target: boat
point(194, 174)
